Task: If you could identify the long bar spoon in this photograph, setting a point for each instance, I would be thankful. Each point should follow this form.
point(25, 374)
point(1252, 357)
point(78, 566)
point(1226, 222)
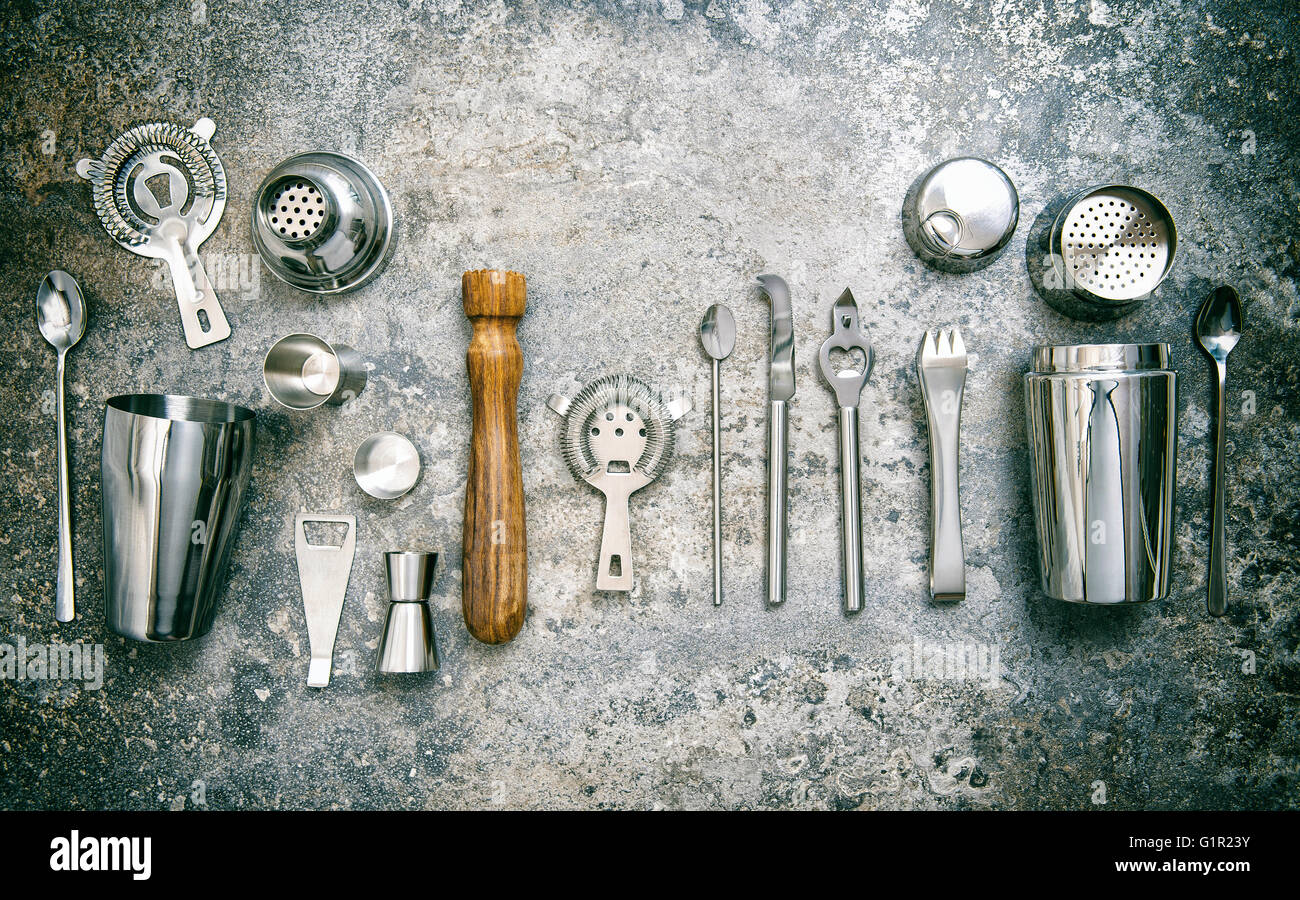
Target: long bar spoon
point(61, 317)
point(1218, 328)
point(718, 335)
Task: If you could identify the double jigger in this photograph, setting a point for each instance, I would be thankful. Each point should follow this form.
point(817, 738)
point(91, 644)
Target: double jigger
point(407, 643)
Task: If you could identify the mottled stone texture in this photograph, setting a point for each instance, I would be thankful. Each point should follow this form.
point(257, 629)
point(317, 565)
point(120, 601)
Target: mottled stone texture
point(639, 161)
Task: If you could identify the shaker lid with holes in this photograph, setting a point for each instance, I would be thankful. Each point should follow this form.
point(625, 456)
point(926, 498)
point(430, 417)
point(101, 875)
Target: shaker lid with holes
point(1109, 248)
point(961, 214)
point(322, 222)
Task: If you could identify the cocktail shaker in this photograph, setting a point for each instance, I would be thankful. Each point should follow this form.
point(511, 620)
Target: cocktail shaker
point(175, 473)
point(1102, 434)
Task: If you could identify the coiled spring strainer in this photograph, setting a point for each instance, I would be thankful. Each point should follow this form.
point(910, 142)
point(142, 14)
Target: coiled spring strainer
point(617, 437)
point(159, 190)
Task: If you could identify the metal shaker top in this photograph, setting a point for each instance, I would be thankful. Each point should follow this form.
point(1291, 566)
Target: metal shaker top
point(1112, 245)
point(322, 222)
point(1070, 358)
point(961, 214)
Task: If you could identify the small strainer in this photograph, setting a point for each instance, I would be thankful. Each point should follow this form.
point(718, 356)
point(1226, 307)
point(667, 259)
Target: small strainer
point(618, 437)
point(1110, 247)
point(297, 209)
point(160, 190)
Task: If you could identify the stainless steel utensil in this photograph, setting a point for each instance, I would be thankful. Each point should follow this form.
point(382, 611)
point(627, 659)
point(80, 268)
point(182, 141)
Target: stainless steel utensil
point(166, 223)
point(323, 574)
point(386, 465)
point(322, 222)
point(1101, 427)
point(1109, 248)
point(617, 437)
point(407, 643)
point(1218, 328)
point(780, 384)
point(718, 335)
point(303, 372)
point(960, 215)
point(847, 383)
point(941, 369)
point(61, 318)
point(174, 474)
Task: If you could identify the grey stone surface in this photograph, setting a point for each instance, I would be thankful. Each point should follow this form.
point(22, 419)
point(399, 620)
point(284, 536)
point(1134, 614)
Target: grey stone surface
point(639, 161)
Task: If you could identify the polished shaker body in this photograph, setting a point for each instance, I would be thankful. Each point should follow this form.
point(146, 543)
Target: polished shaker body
point(175, 474)
point(1102, 446)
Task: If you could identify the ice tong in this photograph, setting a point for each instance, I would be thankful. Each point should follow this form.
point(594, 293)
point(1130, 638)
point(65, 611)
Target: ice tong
point(941, 369)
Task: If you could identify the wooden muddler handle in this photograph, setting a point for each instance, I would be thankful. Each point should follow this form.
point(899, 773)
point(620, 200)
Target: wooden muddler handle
point(494, 585)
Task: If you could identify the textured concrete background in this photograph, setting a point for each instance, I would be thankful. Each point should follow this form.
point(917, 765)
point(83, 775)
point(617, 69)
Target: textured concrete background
point(639, 161)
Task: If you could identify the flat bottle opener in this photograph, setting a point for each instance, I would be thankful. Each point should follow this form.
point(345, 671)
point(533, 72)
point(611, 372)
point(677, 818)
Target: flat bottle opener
point(323, 571)
point(847, 336)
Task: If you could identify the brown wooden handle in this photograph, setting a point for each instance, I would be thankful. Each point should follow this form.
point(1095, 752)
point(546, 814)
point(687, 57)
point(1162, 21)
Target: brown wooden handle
point(494, 578)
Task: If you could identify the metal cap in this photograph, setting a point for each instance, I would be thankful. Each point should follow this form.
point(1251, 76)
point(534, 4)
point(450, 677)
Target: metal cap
point(410, 574)
point(1100, 357)
point(961, 214)
point(386, 465)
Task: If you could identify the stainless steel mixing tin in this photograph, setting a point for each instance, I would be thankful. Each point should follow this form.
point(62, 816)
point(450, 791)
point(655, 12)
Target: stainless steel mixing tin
point(175, 474)
point(1102, 446)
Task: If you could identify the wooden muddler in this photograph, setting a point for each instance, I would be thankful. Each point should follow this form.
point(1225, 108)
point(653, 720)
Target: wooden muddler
point(494, 588)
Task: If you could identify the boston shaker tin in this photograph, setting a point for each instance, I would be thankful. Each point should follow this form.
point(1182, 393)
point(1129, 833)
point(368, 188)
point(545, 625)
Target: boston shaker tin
point(1101, 428)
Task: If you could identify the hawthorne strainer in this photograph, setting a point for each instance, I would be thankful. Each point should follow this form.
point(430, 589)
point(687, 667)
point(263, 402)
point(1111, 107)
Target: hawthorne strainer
point(159, 191)
point(618, 437)
point(1110, 247)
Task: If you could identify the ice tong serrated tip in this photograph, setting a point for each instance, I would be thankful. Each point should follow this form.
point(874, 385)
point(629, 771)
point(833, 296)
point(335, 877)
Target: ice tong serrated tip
point(941, 370)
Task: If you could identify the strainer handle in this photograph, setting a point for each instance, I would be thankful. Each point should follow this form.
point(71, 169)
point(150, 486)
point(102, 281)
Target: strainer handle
point(615, 572)
point(194, 294)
